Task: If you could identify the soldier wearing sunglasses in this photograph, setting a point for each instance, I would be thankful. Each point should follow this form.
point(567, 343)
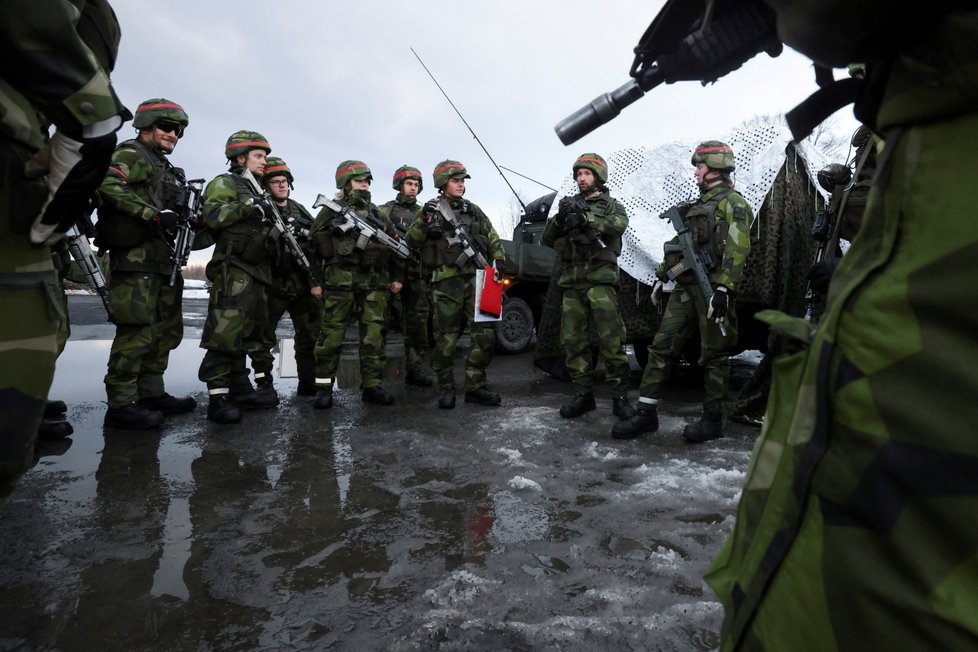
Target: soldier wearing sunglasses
point(136, 224)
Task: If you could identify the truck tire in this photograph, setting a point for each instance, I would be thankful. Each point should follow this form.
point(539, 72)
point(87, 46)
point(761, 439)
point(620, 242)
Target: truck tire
point(515, 331)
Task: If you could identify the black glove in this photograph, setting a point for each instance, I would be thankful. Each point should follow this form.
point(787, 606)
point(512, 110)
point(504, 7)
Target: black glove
point(574, 221)
point(338, 227)
point(430, 210)
point(435, 232)
point(820, 275)
point(167, 220)
point(262, 209)
point(718, 304)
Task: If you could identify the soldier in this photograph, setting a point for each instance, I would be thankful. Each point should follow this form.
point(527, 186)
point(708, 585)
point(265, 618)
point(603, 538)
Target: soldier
point(453, 285)
point(54, 65)
point(856, 527)
point(586, 234)
point(137, 222)
point(355, 284)
point(720, 222)
point(291, 288)
point(415, 296)
point(240, 272)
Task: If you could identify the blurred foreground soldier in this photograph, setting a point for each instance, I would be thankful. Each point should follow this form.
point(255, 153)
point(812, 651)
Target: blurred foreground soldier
point(291, 289)
point(453, 284)
point(415, 296)
point(240, 272)
point(55, 59)
point(137, 222)
point(355, 286)
point(719, 222)
point(586, 234)
point(856, 528)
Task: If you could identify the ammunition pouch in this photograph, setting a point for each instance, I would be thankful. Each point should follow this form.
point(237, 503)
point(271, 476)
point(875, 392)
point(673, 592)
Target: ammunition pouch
point(374, 256)
point(429, 254)
point(115, 230)
point(325, 244)
point(248, 248)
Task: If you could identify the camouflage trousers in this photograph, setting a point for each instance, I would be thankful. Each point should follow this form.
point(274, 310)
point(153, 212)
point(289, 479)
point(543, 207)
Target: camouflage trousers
point(415, 316)
point(685, 313)
point(31, 300)
point(340, 308)
point(594, 310)
point(236, 324)
point(149, 324)
point(453, 305)
point(305, 311)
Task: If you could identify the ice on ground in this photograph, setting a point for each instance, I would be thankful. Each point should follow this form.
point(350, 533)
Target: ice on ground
point(459, 590)
point(512, 456)
point(602, 452)
point(683, 477)
point(534, 423)
point(520, 482)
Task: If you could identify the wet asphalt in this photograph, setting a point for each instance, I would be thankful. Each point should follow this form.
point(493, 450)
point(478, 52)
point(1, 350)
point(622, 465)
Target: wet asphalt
point(362, 527)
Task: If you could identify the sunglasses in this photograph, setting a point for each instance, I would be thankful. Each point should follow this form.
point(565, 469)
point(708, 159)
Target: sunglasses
point(167, 126)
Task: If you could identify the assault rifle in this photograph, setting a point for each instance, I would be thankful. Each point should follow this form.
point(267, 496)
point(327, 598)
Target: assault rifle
point(700, 261)
point(188, 209)
point(461, 236)
point(689, 40)
point(81, 252)
point(290, 242)
point(367, 228)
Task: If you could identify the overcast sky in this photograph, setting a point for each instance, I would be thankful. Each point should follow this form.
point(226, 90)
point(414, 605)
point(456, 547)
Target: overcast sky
point(328, 81)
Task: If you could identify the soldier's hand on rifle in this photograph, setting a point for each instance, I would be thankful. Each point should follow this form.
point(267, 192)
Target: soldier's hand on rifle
point(573, 221)
point(820, 275)
point(338, 227)
point(167, 220)
point(261, 208)
point(430, 210)
point(718, 305)
point(317, 292)
point(657, 292)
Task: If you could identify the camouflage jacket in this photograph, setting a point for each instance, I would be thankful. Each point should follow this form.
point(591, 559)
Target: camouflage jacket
point(139, 184)
point(288, 277)
point(480, 232)
point(56, 58)
point(402, 212)
point(344, 265)
point(241, 236)
point(589, 253)
point(719, 220)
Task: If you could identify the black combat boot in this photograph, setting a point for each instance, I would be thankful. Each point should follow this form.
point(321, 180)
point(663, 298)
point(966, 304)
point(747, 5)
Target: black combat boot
point(376, 395)
point(167, 404)
point(222, 409)
point(645, 419)
point(418, 378)
point(447, 399)
point(265, 389)
point(54, 425)
point(482, 396)
point(55, 409)
point(324, 398)
point(306, 387)
point(132, 417)
point(583, 402)
point(621, 408)
point(255, 399)
point(710, 426)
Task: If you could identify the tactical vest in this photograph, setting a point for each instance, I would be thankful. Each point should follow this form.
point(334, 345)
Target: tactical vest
point(342, 250)
point(402, 217)
point(706, 231)
point(584, 245)
point(298, 220)
point(248, 239)
point(447, 254)
point(117, 230)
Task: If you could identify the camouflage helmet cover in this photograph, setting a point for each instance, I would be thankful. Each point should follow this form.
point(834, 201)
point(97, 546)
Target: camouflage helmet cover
point(242, 142)
point(406, 172)
point(716, 155)
point(349, 170)
point(159, 108)
point(449, 169)
point(276, 167)
point(593, 162)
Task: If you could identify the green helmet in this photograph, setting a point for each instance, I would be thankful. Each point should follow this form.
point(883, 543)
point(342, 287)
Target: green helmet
point(159, 108)
point(242, 142)
point(406, 172)
point(594, 163)
point(276, 167)
point(716, 155)
point(449, 169)
point(832, 175)
point(350, 170)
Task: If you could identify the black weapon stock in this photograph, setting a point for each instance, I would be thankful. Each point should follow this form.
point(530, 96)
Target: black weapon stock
point(699, 261)
point(188, 208)
point(366, 230)
point(689, 40)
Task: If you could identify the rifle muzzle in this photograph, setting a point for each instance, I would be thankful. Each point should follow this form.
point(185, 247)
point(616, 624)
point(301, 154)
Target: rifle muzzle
point(605, 108)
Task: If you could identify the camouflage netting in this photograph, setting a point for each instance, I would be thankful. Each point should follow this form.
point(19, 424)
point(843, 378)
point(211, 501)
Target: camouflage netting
point(649, 181)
